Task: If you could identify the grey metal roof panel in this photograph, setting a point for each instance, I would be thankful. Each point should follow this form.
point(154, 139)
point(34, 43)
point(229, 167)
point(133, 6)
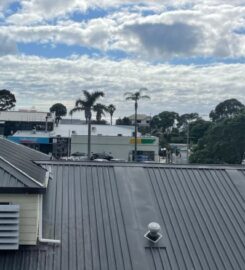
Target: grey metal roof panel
point(23, 158)
point(13, 178)
point(100, 213)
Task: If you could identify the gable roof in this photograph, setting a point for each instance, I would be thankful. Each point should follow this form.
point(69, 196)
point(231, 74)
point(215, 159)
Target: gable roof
point(23, 158)
point(100, 213)
point(14, 180)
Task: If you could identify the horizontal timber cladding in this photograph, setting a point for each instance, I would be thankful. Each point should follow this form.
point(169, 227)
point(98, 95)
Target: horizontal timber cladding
point(28, 215)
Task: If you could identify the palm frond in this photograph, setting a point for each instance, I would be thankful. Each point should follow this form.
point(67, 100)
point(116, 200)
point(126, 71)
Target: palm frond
point(76, 109)
point(80, 102)
point(130, 98)
point(145, 97)
point(96, 95)
point(87, 95)
point(111, 109)
point(128, 94)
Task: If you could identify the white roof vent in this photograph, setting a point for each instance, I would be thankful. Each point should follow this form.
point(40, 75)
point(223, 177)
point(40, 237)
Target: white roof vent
point(153, 234)
point(9, 226)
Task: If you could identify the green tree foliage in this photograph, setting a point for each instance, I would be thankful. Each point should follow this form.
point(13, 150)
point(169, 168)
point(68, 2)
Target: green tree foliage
point(197, 129)
point(226, 109)
point(100, 110)
point(60, 110)
point(125, 121)
point(135, 97)
point(164, 121)
point(87, 105)
point(7, 100)
point(223, 143)
point(186, 118)
point(111, 109)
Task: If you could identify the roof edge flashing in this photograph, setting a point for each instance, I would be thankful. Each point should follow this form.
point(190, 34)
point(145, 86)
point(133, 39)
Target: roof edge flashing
point(22, 172)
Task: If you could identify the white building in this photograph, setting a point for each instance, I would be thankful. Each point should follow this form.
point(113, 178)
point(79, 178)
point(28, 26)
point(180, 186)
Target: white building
point(143, 120)
point(120, 147)
point(117, 140)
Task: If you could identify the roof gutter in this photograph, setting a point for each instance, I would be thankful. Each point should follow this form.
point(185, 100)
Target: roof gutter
point(40, 229)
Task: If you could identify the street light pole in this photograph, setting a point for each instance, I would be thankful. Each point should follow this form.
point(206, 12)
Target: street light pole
point(187, 141)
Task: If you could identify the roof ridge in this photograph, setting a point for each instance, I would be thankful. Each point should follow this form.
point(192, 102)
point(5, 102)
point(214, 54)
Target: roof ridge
point(22, 172)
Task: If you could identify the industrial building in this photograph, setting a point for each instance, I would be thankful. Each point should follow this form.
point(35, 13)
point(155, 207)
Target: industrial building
point(12, 121)
point(67, 139)
point(119, 216)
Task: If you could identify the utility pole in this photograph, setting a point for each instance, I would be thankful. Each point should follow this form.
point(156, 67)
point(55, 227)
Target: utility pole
point(187, 141)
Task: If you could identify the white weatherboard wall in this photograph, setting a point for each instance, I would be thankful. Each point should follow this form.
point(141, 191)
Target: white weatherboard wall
point(28, 215)
point(119, 146)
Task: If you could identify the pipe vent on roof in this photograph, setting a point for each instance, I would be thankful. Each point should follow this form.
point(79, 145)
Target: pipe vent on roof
point(153, 234)
point(9, 226)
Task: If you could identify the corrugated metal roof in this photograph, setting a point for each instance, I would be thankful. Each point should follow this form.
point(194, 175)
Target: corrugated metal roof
point(25, 116)
point(22, 157)
point(100, 213)
point(12, 178)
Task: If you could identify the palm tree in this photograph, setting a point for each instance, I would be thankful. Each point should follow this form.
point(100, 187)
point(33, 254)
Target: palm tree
point(100, 110)
point(111, 109)
point(87, 104)
point(136, 96)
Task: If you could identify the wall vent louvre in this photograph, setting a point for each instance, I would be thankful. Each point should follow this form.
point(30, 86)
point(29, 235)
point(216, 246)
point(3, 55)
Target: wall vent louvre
point(9, 227)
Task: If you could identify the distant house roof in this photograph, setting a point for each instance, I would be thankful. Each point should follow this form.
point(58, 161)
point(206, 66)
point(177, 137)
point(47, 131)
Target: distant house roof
point(13, 180)
point(23, 158)
point(23, 116)
point(140, 117)
point(100, 213)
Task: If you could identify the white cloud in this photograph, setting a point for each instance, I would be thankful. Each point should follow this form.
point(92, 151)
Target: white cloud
point(42, 82)
point(198, 30)
point(7, 46)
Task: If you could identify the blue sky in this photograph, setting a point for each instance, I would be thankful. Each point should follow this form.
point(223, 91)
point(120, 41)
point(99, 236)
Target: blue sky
point(189, 54)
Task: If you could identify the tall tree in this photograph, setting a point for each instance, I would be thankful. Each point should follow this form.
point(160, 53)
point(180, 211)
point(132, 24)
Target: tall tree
point(136, 96)
point(164, 120)
point(100, 110)
point(198, 129)
point(111, 109)
point(125, 121)
point(226, 109)
point(60, 110)
point(7, 100)
point(223, 142)
point(185, 119)
point(87, 104)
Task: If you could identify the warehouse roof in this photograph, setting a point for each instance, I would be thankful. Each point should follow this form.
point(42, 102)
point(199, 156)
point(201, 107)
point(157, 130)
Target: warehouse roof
point(100, 213)
point(65, 130)
point(22, 158)
point(104, 130)
point(25, 116)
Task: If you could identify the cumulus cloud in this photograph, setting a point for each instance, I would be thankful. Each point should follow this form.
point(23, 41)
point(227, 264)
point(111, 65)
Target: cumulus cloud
point(194, 30)
point(42, 82)
point(7, 46)
point(162, 39)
